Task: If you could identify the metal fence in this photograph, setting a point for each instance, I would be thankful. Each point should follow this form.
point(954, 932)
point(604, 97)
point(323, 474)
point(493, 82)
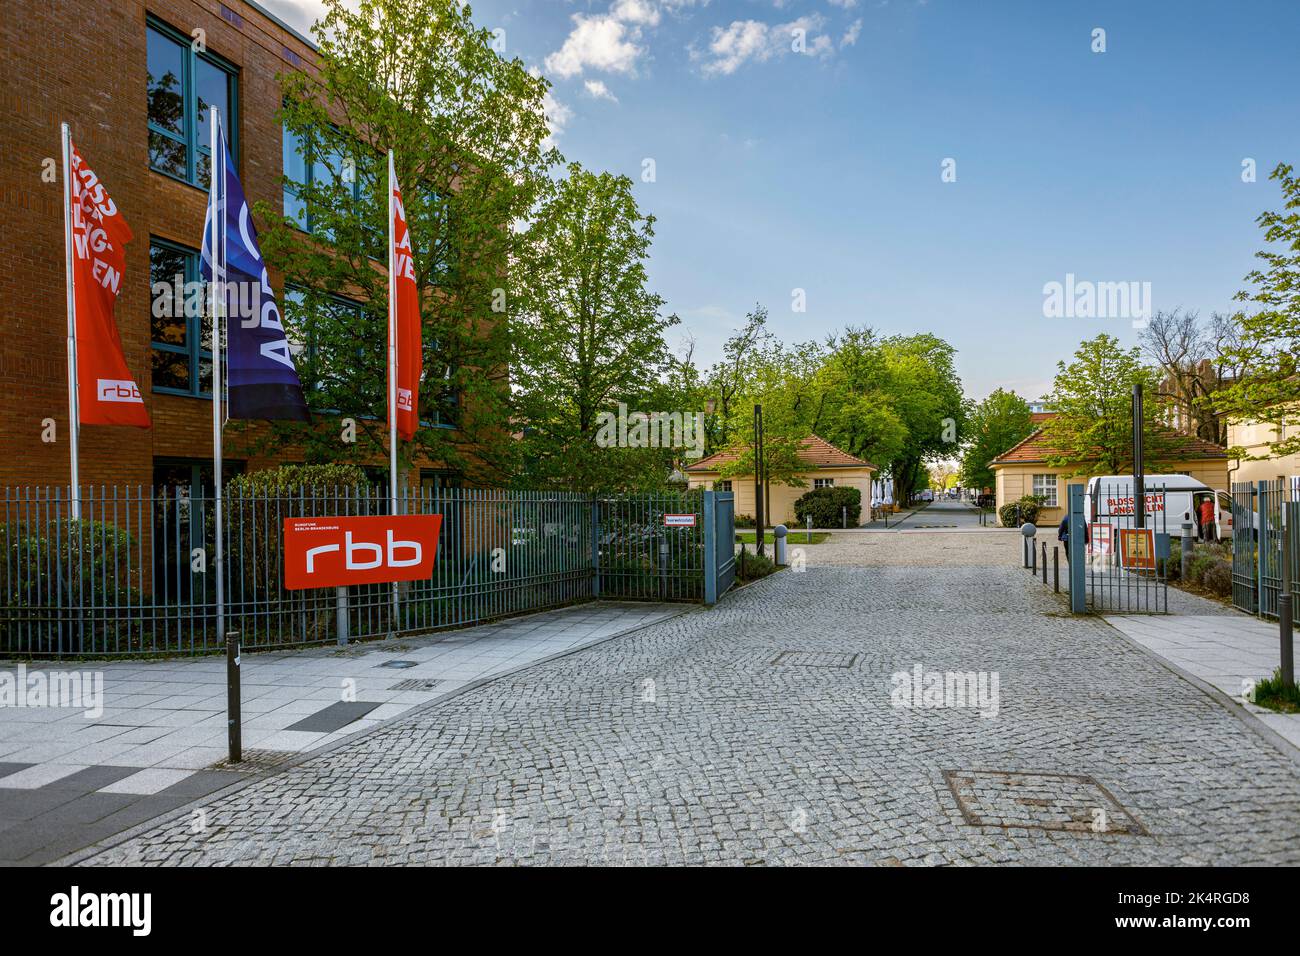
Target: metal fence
point(1245, 561)
point(1263, 512)
point(1127, 565)
point(134, 575)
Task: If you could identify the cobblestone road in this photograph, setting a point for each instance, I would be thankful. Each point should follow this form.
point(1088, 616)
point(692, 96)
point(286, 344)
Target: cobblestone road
point(746, 753)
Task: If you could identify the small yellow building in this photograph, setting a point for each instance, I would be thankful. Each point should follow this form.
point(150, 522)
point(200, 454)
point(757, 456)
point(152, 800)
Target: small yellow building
point(1254, 438)
point(1023, 470)
point(828, 467)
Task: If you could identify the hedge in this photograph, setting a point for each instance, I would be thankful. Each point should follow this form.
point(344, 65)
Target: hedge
point(826, 506)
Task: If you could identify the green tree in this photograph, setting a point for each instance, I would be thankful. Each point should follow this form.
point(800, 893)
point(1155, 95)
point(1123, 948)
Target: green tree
point(1092, 430)
point(469, 136)
point(1269, 388)
point(996, 424)
point(587, 335)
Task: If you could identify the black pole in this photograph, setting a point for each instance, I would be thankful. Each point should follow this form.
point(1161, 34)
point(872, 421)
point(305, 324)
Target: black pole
point(1139, 485)
point(233, 737)
point(1056, 569)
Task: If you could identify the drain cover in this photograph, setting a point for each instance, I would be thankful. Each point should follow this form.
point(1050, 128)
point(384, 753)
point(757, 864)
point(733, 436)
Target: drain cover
point(1039, 801)
point(399, 665)
point(415, 683)
point(815, 659)
point(255, 761)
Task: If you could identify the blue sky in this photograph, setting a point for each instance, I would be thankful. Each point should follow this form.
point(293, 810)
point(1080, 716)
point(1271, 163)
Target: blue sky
point(821, 170)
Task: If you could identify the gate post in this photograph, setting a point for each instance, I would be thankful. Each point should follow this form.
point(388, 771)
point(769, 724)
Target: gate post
point(1076, 555)
point(595, 547)
point(710, 549)
point(1261, 543)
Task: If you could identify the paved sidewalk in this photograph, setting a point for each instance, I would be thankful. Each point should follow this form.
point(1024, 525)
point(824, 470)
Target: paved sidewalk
point(1224, 650)
point(68, 779)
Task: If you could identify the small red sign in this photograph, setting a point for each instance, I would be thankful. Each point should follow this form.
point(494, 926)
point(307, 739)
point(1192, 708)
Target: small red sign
point(327, 552)
point(679, 521)
point(1137, 549)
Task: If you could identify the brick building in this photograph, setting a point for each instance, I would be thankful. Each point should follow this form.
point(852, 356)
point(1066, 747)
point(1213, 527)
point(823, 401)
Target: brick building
point(132, 81)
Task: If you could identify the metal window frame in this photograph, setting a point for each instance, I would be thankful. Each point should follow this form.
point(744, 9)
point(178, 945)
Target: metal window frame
point(193, 327)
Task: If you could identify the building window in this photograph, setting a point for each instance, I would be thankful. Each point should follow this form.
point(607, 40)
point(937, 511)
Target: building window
point(310, 172)
point(182, 85)
point(823, 482)
point(1045, 488)
point(724, 485)
point(181, 334)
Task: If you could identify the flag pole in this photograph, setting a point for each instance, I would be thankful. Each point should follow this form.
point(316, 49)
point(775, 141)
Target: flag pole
point(392, 370)
point(216, 167)
point(74, 410)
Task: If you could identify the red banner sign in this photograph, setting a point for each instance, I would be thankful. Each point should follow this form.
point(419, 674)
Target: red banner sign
point(409, 353)
point(327, 552)
point(106, 392)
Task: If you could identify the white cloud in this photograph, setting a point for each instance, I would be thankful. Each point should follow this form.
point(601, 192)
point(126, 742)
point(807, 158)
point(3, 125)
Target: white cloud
point(598, 90)
point(744, 41)
point(846, 4)
point(852, 33)
point(597, 43)
point(636, 11)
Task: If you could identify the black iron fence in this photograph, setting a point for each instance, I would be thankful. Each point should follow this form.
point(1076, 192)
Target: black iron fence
point(134, 575)
point(1263, 514)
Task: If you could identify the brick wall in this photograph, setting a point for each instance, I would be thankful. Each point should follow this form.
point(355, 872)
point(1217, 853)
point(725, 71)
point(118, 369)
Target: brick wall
point(85, 63)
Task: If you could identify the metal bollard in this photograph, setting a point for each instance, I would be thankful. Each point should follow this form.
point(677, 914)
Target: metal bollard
point(779, 534)
point(341, 614)
point(1044, 562)
point(1056, 568)
point(234, 736)
point(1187, 546)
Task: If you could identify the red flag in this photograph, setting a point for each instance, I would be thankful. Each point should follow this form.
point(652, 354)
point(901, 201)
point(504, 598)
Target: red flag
point(410, 361)
point(106, 392)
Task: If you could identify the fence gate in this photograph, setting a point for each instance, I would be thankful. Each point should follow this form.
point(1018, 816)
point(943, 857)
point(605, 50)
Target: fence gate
point(1126, 564)
point(1245, 587)
point(720, 570)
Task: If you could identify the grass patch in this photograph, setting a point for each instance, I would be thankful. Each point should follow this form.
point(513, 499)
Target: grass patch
point(1272, 694)
point(794, 537)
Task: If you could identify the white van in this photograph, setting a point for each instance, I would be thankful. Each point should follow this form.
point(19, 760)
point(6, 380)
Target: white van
point(1108, 499)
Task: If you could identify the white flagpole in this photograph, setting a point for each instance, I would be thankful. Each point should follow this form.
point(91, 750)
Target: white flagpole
point(392, 367)
point(74, 408)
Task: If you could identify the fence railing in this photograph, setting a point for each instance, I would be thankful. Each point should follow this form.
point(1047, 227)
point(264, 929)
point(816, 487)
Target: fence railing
point(1126, 565)
point(1263, 512)
point(134, 575)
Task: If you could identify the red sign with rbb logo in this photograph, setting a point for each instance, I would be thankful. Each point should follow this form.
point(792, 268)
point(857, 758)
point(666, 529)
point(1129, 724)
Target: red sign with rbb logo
point(327, 552)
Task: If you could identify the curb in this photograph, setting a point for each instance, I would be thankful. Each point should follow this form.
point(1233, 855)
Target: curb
point(243, 781)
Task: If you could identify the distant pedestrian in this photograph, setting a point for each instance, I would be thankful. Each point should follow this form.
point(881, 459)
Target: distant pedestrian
point(1063, 535)
point(1207, 519)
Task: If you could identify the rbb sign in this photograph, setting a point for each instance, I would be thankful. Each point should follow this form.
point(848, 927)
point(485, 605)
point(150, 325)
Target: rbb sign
point(326, 552)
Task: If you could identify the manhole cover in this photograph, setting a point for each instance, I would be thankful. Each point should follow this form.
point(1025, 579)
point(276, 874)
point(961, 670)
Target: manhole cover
point(399, 665)
point(255, 761)
point(1040, 801)
point(815, 659)
point(415, 683)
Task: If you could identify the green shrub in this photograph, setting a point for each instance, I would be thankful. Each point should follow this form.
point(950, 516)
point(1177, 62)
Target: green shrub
point(1273, 694)
point(1016, 513)
point(826, 506)
point(745, 521)
point(291, 479)
point(751, 567)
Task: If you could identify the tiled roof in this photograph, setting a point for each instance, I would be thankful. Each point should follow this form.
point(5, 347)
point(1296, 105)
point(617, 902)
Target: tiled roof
point(1037, 418)
point(1036, 448)
point(814, 451)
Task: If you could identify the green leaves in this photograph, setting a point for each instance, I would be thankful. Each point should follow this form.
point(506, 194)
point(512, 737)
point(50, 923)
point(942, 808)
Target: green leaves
point(996, 424)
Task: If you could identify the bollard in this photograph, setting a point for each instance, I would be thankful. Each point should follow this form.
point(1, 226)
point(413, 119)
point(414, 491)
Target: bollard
point(778, 534)
point(233, 732)
point(1044, 562)
point(808, 538)
point(844, 515)
point(1026, 550)
point(1187, 545)
point(1056, 568)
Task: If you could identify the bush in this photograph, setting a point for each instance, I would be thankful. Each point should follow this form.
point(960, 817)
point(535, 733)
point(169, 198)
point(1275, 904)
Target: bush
point(826, 506)
point(751, 567)
point(290, 479)
point(1210, 567)
point(1016, 513)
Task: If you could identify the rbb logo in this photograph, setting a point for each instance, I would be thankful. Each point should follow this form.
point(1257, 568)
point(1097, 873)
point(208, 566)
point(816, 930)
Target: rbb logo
point(118, 390)
point(327, 552)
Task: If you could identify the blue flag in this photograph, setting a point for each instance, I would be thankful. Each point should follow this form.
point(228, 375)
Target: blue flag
point(262, 380)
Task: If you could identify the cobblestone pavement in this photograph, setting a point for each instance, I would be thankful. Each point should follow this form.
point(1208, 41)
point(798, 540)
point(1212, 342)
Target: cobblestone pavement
point(768, 736)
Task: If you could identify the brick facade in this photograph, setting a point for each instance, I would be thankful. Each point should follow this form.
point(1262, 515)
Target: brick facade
point(86, 64)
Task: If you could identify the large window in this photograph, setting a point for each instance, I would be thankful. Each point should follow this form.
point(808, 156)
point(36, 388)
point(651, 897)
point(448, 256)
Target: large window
point(183, 84)
point(1045, 487)
point(308, 171)
point(181, 334)
point(823, 482)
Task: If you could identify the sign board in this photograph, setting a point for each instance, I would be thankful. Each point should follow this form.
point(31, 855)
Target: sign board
point(1101, 539)
point(1137, 548)
point(679, 521)
point(333, 551)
